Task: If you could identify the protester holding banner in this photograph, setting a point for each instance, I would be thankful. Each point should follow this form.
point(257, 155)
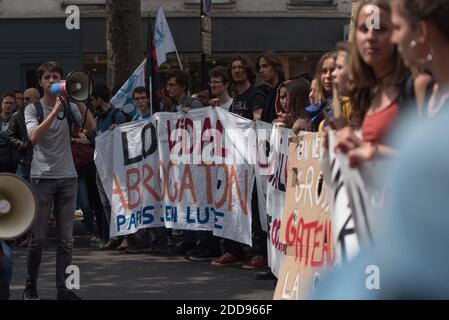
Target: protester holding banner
point(422, 35)
point(271, 70)
point(248, 103)
point(178, 88)
point(204, 95)
point(220, 85)
point(291, 101)
point(248, 100)
point(342, 83)
point(324, 81)
point(141, 100)
point(108, 118)
point(142, 239)
point(378, 74)
point(313, 91)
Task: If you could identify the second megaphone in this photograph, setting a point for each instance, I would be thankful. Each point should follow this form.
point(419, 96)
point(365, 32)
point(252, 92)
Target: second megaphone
point(18, 206)
point(78, 86)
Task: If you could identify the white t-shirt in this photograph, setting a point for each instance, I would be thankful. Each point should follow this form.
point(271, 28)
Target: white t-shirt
point(226, 105)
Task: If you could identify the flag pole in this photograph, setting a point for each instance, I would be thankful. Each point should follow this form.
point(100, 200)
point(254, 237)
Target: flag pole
point(179, 60)
point(148, 79)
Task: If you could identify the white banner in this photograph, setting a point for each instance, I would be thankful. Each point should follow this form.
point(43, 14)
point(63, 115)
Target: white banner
point(185, 171)
point(271, 179)
point(356, 197)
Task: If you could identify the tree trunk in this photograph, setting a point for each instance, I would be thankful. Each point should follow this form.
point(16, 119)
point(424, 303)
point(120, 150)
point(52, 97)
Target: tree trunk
point(123, 41)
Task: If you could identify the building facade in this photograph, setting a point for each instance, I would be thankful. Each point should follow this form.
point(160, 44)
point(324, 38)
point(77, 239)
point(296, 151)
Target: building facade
point(35, 31)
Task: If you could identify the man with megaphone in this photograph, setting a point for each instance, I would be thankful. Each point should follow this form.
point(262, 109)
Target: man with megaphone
point(53, 175)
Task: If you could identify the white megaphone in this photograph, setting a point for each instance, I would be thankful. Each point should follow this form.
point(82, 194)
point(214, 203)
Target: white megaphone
point(78, 86)
point(18, 206)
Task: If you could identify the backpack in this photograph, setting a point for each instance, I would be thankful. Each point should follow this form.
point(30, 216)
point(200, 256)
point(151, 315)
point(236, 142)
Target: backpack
point(68, 112)
point(116, 111)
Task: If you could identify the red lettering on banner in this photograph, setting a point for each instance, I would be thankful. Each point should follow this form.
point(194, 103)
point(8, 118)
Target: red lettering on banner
point(171, 197)
point(275, 228)
point(147, 178)
point(118, 191)
point(185, 129)
point(160, 177)
point(187, 183)
point(221, 202)
point(219, 149)
point(327, 254)
point(234, 180)
point(171, 143)
point(133, 187)
point(317, 244)
point(208, 182)
point(300, 236)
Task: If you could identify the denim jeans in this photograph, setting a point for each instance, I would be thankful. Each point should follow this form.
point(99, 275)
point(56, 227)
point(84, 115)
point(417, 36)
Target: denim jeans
point(23, 171)
point(62, 192)
point(83, 203)
point(6, 263)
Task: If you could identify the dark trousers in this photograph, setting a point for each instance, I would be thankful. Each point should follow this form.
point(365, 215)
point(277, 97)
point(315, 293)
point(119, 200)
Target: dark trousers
point(106, 217)
point(6, 263)
point(61, 192)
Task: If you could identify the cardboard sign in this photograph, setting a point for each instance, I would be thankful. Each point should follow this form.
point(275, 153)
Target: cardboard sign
point(307, 228)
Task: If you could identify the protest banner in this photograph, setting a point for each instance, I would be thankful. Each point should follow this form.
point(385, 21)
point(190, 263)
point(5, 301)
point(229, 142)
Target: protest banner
point(357, 196)
point(261, 168)
point(184, 171)
point(345, 237)
point(273, 176)
point(306, 228)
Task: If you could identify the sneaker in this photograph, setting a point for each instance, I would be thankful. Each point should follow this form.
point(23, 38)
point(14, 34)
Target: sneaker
point(30, 292)
point(196, 250)
point(78, 213)
point(182, 249)
point(227, 260)
point(67, 295)
point(139, 247)
point(258, 262)
point(206, 254)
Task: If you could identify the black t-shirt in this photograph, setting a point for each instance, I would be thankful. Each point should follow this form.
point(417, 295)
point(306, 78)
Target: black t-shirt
point(269, 109)
point(246, 103)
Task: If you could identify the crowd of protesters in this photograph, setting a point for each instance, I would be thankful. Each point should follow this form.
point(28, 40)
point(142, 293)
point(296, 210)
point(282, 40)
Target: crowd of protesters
point(377, 78)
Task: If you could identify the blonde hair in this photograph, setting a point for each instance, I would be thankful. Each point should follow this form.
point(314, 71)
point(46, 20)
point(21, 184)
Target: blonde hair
point(320, 93)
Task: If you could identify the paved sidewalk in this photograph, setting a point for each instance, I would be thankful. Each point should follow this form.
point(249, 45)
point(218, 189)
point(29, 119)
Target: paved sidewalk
point(114, 275)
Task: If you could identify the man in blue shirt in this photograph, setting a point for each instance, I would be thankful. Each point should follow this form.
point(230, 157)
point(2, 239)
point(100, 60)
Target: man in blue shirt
point(108, 115)
point(141, 100)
